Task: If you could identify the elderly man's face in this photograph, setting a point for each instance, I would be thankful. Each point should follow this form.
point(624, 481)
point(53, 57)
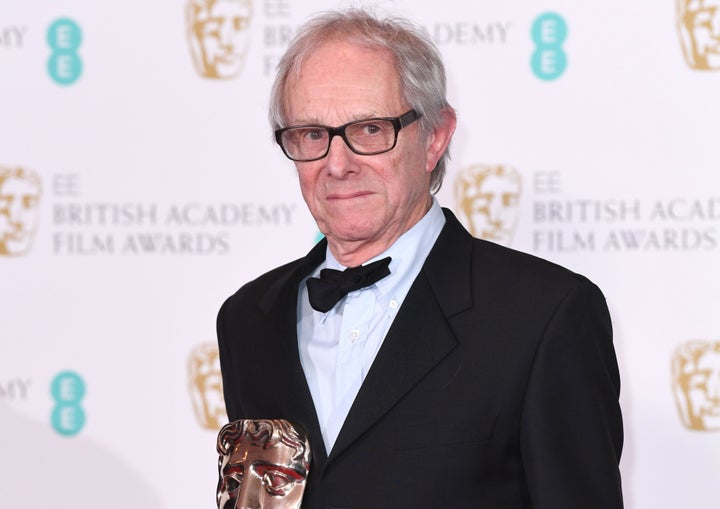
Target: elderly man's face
point(18, 214)
point(355, 198)
point(700, 22)
point(257, 478)
point(222, 36)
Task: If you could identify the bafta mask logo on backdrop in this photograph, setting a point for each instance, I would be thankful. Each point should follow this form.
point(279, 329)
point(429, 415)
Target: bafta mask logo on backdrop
point(696, 384)
point(19, 210)
point(487, 199)
point(218, 32)
point(262, 463)
point(698, 23)
point(205, 385)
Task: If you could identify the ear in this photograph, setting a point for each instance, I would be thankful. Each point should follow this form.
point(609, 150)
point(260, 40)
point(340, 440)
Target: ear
point(439, 139)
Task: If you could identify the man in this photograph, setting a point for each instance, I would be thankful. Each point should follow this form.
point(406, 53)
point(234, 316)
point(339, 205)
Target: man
point(19, 202)
point(263, 464)
point(471, 375)
point(218, 33)
point(487, 198)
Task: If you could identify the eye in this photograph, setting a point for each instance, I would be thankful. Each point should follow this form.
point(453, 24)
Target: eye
point(699, 381)
point(211, 28)
point(371, 129)
point(509, 199)
point(231, 483)
point(314, 134)
point(241, 22)
point(482, 201)
point(703, 18)
point(277, 483)
point(29, 202)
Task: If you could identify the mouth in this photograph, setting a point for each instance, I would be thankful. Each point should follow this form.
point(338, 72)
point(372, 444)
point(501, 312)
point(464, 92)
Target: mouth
point(713, 411)
point(16, 236)
point(227, 59)
point(347, 196)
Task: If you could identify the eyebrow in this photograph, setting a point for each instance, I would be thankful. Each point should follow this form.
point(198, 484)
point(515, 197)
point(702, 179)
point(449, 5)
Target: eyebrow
point(352, 118)
point(232, 468)
point(296, 473)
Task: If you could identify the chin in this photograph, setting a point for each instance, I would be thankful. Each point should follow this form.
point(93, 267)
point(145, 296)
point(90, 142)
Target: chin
point(352, 233)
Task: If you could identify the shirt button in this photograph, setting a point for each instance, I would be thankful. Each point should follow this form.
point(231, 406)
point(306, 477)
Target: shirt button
point(393, 304)
point(354, 334)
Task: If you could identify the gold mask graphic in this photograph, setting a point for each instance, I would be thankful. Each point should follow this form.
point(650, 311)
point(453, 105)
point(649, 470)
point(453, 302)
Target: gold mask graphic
point(19, 210)
point(262, 464)
point(696, 384)
point(205, 384)
point(698, 23)
point(488, 199)
point(218, 32)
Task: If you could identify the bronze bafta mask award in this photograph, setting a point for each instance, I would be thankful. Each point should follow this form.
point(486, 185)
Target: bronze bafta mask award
point(263, 464)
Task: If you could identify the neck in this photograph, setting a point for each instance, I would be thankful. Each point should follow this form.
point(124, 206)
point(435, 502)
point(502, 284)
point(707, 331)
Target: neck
point(352, 254)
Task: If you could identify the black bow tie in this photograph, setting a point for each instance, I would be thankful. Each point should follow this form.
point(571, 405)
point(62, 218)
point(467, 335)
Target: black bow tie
point(333, 285)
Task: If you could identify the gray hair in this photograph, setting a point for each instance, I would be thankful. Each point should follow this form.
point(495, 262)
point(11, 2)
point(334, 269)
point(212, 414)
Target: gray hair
point(417, 61)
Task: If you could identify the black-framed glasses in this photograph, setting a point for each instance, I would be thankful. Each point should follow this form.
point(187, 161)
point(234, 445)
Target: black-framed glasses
point(366, 137)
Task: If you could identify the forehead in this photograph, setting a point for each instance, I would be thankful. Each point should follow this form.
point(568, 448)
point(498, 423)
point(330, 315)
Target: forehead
point(17, 185)
point(710, 360)
point(343, 81)
point(695, 5)
point(225, 6)
point(248, 451)
point(497, 182)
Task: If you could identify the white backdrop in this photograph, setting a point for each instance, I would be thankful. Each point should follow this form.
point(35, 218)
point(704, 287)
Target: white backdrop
point(136, 194)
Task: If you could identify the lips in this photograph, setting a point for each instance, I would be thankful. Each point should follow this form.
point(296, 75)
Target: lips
point(713, 411)
point(348, 195)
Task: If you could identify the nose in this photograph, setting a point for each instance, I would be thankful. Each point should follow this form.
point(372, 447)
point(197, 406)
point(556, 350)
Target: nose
point(227, 33)
point(250, 493)
point(713, 386)
point(495, 209)
point(340, 159)
point(16, 210)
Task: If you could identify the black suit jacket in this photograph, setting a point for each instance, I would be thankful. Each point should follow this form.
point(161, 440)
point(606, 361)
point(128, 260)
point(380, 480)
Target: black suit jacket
point(496, 386)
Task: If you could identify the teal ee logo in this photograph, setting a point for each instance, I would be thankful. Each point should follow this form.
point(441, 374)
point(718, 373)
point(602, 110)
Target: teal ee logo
point(64, 38)
point(549, 32)
point(67, 390)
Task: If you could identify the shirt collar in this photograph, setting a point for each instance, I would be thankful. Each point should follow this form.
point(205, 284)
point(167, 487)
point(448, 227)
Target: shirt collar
point(408, 253)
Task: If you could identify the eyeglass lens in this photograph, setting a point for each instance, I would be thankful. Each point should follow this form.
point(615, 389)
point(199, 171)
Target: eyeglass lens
point(364, 137)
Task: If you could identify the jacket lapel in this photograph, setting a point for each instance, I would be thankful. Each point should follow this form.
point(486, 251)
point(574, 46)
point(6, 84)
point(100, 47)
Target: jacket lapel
point(413, 346)
point(280, 303)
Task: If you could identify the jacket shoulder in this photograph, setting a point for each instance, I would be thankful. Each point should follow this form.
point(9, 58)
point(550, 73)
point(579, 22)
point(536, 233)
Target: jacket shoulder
point(508, 262)
point(268, 284)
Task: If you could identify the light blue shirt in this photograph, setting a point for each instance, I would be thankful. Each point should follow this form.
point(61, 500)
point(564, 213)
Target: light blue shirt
point(337, 348)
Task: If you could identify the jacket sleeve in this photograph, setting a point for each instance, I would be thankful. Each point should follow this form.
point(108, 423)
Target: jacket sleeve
point(571, 429)
point(232, 408)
